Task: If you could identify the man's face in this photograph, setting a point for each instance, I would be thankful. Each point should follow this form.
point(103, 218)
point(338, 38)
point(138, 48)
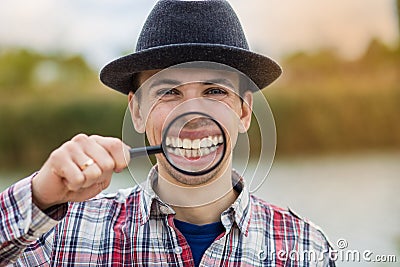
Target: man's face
point(166, 94)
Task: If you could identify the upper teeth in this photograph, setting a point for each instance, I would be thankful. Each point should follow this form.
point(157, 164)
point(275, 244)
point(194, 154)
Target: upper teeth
point(194, 144)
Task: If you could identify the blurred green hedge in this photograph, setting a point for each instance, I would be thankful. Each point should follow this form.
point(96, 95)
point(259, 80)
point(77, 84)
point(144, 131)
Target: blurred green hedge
point(28, 135)
point(310, 124)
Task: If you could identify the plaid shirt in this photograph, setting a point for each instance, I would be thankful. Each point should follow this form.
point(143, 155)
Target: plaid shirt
point(134, 227)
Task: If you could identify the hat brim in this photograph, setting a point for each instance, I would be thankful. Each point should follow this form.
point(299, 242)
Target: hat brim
point(118, 74)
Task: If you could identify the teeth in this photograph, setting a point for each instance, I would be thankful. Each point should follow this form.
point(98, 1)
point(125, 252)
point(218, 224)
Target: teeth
point(189, 153)
point(196, 144)
point(186, 143)
point(215, 140)
point(178, 142)
point(206, 142)
point(204, 151)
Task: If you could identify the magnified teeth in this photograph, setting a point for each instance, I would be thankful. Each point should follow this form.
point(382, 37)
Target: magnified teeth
point(206, 142)
point(187, 144)
point(204, 151)
point(215, 140)
point(178, 142)
point(196, 144)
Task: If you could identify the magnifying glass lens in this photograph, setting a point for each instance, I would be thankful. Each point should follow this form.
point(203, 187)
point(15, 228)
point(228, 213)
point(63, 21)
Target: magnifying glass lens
point(194, 143)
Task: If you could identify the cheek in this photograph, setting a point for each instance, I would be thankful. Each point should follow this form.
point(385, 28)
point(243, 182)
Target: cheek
point(231, 121)
point(155, 125)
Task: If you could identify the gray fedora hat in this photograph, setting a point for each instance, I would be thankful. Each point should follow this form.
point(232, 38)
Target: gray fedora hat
point(179, 31)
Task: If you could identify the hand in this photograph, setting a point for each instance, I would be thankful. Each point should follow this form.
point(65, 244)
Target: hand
point(78, 170)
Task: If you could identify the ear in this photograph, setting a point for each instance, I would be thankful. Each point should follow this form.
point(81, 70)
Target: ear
point(246, 111)
point(137, 118)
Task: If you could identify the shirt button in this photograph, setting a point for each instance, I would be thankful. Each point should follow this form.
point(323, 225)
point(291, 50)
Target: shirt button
point(262, 255)
point(164, 209)
point(178, 250)
point(21, 225)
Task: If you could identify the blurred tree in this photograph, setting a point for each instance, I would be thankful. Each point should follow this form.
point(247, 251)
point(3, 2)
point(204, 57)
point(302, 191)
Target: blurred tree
point(25, 71)
point(16, 67)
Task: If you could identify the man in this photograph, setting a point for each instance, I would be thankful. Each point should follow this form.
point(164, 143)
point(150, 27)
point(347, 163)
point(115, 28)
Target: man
point(56, 218)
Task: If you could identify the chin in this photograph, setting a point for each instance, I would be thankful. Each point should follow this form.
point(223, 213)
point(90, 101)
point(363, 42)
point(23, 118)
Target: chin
point(193, 180)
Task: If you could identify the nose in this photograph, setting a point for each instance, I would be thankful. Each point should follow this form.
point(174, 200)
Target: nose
point(196, 104)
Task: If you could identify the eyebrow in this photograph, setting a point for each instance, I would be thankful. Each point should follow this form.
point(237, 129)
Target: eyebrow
point(165, 82)
point(222, 81)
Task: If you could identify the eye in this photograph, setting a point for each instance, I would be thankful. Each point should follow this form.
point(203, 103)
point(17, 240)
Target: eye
point(167, 92)
point(215, 91)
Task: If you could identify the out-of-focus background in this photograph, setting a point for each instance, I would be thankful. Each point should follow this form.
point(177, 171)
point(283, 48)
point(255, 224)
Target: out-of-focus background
point(336, 107)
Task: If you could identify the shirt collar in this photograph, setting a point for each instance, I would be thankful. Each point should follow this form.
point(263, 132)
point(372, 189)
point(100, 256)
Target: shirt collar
point(238, 213)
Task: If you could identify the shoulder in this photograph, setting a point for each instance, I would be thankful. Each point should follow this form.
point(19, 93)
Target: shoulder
point(122, 195)
point(289, 223)
point(106, 204)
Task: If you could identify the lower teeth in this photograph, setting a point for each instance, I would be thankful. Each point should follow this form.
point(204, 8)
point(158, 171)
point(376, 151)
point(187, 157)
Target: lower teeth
point(191, 152)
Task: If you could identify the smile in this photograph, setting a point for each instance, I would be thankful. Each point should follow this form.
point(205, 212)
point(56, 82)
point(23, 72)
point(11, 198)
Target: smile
point(193, 148)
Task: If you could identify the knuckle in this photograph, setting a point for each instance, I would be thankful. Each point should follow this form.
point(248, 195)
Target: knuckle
point(108, 164)
point(69, 146)
point(121, 164)
point(94, 136)
point(76, 183)
point(55, 155)
point(61, 171)
point(115, 144)
point(97, 172)
point(79, 138)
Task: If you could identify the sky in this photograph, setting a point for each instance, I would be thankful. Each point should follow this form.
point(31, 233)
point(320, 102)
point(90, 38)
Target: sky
point(102, 30)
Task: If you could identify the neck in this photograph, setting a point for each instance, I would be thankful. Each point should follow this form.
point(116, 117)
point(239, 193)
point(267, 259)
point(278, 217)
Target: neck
point(206, 214)
point(200, 204)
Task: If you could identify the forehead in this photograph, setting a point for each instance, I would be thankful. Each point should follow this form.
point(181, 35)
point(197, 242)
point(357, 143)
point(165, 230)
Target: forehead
point(180, 76)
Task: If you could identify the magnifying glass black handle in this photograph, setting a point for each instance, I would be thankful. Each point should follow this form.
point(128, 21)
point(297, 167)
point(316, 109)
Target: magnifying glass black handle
point(144, 151)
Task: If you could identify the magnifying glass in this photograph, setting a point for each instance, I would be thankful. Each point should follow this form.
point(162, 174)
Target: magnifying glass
point(194, 143)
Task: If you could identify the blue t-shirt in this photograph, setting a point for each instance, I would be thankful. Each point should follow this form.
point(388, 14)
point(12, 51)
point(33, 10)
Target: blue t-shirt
point(199, 237)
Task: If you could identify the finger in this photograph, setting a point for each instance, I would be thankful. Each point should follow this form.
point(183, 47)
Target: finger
point(117, 150)
point(92, 175)
point(72, 176)
point(96, 152)
point(61, 164)
point(89, 168)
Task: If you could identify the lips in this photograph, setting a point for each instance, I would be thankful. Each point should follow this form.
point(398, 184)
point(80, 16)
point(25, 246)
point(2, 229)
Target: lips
point(193, 148)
